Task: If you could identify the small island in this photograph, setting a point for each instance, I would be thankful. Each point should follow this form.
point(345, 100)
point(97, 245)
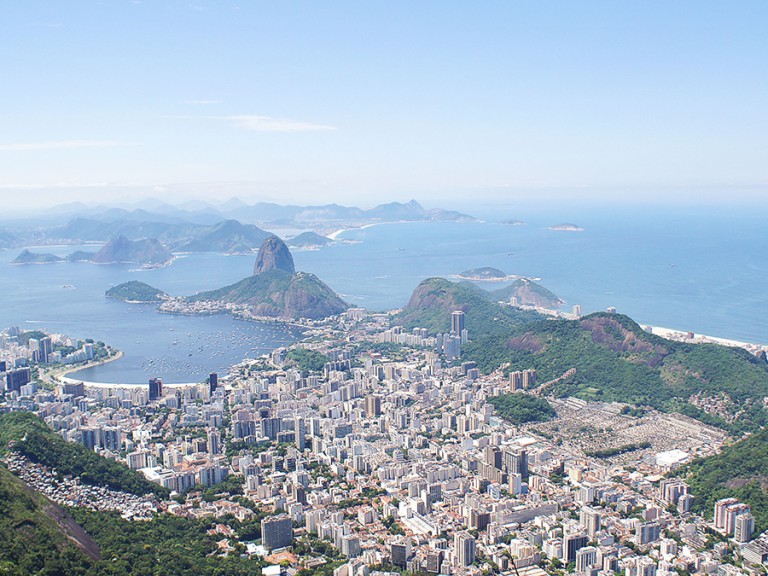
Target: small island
point(308, 241)
point(135, 292)
point(513, 222)
point(27, 257)
point(485, 274)
point(565, 227)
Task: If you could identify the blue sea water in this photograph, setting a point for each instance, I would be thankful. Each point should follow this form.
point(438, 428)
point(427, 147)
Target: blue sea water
point(691, 269)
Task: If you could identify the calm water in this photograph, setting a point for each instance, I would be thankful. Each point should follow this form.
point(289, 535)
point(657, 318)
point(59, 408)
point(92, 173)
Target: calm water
point(694, 270)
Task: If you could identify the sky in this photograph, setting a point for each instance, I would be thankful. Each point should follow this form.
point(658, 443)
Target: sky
point(365, 102)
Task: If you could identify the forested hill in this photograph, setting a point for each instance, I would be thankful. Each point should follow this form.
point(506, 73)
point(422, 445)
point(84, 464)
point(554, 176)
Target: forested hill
point(25, 433)
point(739, 471)
point(434, 299)
point(616, 360)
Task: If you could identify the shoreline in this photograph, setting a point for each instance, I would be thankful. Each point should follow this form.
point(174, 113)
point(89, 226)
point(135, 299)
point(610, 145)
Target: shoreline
point(65, 378)
point(696, 338)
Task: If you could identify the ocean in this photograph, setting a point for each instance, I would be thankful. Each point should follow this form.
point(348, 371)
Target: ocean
point(699, 269)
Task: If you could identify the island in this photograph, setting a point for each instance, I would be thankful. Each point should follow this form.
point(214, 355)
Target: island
point(566, 227)
point(308, 240)
point(135, 292)
point(27, 257)
point(485, 274)
point(147, 252)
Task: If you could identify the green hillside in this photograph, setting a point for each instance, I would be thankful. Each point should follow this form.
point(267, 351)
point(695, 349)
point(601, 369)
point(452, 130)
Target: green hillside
point(434, 299)
point(739, 471)
point(280, 294)
point(135, 291)
point(25, 433)
point(38, 536)
point(616, 360)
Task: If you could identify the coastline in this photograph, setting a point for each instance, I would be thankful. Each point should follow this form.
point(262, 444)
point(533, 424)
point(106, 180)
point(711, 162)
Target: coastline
point(695, 338)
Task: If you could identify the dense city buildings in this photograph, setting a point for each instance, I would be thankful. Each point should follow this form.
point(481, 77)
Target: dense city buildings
point(394, 456)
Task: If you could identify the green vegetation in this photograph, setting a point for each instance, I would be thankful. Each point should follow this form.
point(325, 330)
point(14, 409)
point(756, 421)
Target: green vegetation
point(485, 272)
point(28, 435)
point(306, 360)
point(166, 546)
point(739, 471)
point(527, 292)
point(39, 537)
point(135, 291)
point(616, 360)
point(434, 299)
point(623, 449)
point(281, 294)
point(521, 408)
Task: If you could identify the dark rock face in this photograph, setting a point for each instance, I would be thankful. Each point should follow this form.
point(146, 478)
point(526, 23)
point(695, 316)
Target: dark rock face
point(274, 255)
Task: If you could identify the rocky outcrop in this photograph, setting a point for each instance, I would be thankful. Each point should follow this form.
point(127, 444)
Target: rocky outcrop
point(274, 255)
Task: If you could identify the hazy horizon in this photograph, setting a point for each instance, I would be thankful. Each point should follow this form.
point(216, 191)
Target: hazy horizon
point(363, 103)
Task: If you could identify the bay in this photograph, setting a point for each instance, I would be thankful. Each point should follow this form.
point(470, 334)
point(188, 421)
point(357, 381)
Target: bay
point(686, 268)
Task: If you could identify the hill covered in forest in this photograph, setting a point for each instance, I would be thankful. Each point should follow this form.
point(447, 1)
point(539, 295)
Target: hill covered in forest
point(616, 360)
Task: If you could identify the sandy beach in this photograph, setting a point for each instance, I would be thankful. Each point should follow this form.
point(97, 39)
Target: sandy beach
point(683, 336)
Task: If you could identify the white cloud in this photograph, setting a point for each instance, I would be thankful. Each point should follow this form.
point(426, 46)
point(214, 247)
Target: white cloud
point(61, 145)
point(269, 124)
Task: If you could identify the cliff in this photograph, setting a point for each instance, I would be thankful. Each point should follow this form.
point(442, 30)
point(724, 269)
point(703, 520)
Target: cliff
point(274, 255)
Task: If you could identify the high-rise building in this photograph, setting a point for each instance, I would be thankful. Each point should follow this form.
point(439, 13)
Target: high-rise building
point(213, 382)
point(744, 527)
point(590, 519)
point(465, 548)
point(516, 461)
point(648, 532)
point(400, 552)
point(586, 558)
point(572, 543)
point(15, 379)
point(720, 509)
point(277, 531)
point(45, 349)
point(372, 406)
point(155, 389)
point(214, 441)
point(457, 322)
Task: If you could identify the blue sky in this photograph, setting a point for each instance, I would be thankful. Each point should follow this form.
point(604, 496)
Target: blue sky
point(363, 102)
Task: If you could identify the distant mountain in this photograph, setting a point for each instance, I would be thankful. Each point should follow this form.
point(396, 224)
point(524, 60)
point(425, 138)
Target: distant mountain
point(434, 299)
point(27, 257)
point(393, 211)
point(308, 239)
point(228, 236)
point(276, 290)
point(80, 256)
point(145, 252)
point(274, 255)
point(8, 239)
point(135, 291)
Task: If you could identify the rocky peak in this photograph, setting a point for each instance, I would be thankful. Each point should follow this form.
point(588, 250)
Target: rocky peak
point(274, 255)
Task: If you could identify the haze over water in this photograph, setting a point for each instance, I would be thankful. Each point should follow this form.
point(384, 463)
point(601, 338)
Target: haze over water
point(702, 270)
